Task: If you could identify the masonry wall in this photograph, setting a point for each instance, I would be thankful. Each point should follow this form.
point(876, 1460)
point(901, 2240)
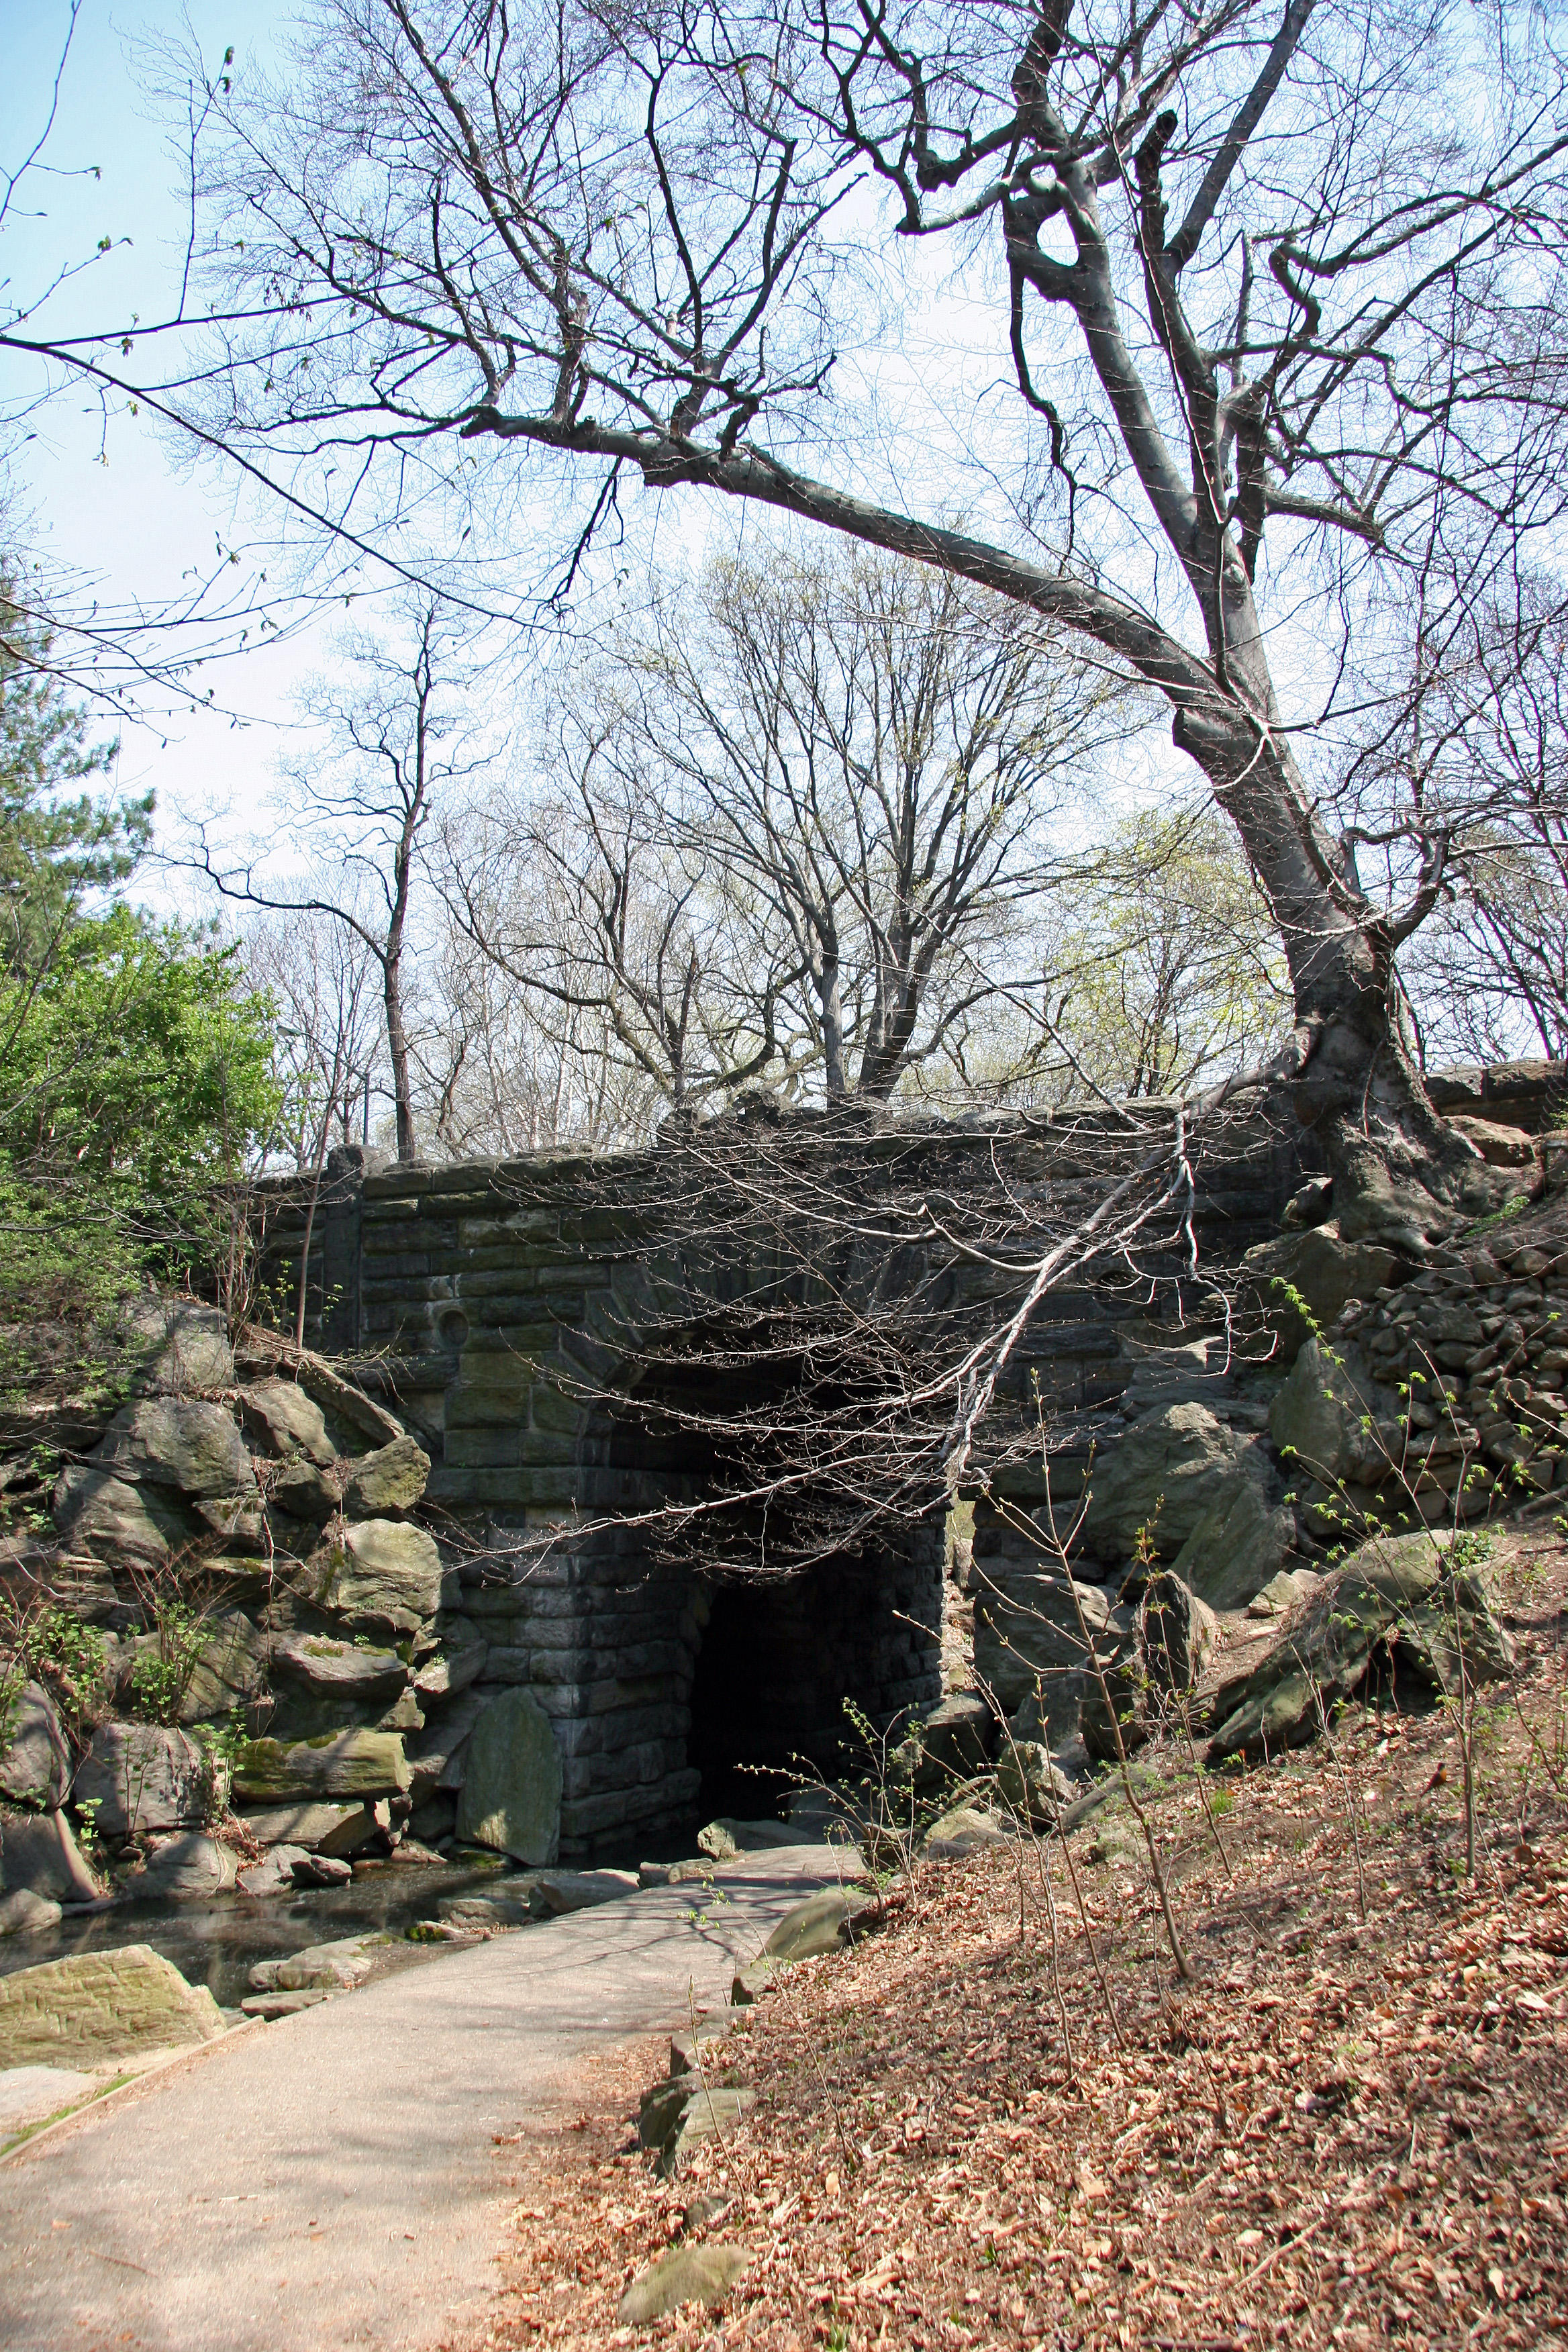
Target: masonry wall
point(491, 1303)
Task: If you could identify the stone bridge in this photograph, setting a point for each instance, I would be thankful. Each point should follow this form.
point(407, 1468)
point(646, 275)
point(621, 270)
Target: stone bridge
point(497, 1306)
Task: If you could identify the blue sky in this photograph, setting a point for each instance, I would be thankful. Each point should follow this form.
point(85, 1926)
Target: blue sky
point(119, 507)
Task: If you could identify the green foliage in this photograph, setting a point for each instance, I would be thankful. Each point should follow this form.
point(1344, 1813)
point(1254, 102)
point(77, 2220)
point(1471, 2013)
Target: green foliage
point(135, 1058)
point(57, 843)
point(159, 1678)
point(1167, 966)
point(220, 1744)
point(71, 1657)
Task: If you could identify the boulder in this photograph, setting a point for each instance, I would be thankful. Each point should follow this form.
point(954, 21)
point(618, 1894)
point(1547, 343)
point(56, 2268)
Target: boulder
point(287, 1423)
point(450, 1671)
point(1030, 1784)
point(391, 1479)
point(1163, 1646)
point(345, 1764)
point(269, 2006)
point(1236, 1547)
point(1170, 1471)
point(320, 1966)
point(339, 1669)
point(1296, 1287)
point(1027, 1631)
point(1499, 1146)
point(315, 1828)
point(38, 1852)
point(106, 1518)
point(950, 1742)
point(1178, 1631)
point(439, 1755)
point(382, 1576)
point(26, 1914)
point(1325, 1417)
point(228, 1670)
point(302, 1491)
point(140, 1777)
point(557, 1891)
point(962, 1831)
point(823, 1923)
point(194, 1448)
point(703, 2275)
point(489, 1912)
point(726, 1839)
point(188, 1869)
point(95, 2008)
point(1401, 1595)
point(715, 2114)
point(34, 1769)
point(274, 1873)
point(187, 1353)
point(321, 1870)
point(511, 1783)
point(1284, 1592)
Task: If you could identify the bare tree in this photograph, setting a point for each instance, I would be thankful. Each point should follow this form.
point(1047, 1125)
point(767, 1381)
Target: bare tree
point(869, 754)
point(508, 1069)
point(804, 832)
point(1165, 975)
point(323, 982)
point(1277, 289)
point(394, 737)
point(1486, 733)
point(621, 943)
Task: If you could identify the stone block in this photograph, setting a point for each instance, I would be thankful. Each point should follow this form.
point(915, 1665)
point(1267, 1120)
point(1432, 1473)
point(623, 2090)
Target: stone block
point(318, 1827)
point(350, 1764)
point(393, 1479)
point(283, 1420)
point(38, 1852)
point(230, 1668)
point(190, 1868)
point(34, 1769)
point(383, 1575)
point(143, 1777)
point(1322, 1272)
point(1235, 1548)
point(94, 2008)
point(188, 1349)
point(107, 1516)
point(512, 1782)
point(194, 1448)
point(23, 1912)
point(1168, 1471)
point(339, 1669)
point(1324, 1418)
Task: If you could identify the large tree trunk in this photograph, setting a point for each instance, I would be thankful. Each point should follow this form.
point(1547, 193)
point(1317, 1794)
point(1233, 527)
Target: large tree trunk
point(1401, 1172)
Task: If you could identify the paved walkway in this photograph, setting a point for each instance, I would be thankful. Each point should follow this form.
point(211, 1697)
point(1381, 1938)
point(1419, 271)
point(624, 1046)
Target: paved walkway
point(333, 2179)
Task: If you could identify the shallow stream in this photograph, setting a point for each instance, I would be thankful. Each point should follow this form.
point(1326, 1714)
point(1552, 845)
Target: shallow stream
point(218, 1943)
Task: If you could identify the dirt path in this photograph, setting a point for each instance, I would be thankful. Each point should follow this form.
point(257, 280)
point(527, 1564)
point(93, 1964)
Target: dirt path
point(335, 2180)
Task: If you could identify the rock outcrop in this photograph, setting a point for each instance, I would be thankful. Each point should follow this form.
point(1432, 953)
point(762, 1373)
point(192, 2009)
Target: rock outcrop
point(264, 1624)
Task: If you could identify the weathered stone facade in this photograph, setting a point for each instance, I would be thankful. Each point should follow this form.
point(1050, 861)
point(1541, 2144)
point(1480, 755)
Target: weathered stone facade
point(491, 1303)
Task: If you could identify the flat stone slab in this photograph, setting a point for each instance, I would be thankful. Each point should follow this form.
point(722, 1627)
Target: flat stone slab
point(352, 1764)
point(512, 1784)
point(95, 2008)
point(312, 1826)
point(268, 2005)
point(560, 1891)
point(690, 2274)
